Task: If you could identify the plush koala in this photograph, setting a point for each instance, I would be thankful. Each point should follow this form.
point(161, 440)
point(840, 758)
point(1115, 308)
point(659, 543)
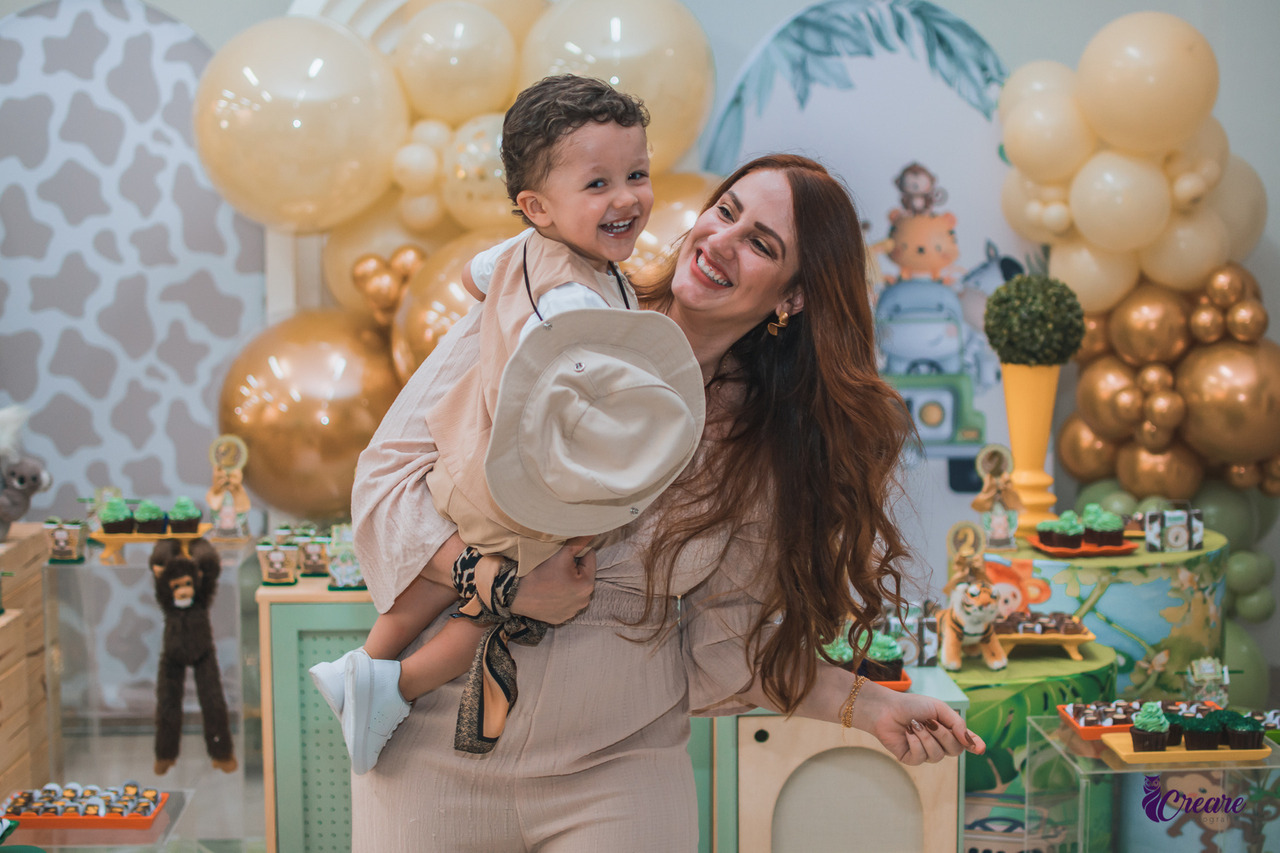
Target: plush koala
point(23, 477)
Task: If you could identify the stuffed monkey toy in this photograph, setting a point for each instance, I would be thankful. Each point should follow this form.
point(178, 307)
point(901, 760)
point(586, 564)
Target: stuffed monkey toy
point(185, 584)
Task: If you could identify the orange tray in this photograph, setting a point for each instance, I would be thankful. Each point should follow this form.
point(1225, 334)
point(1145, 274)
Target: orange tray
point(901, 686)
point(82, 822)
point(1084, 550)
point(1096, 732)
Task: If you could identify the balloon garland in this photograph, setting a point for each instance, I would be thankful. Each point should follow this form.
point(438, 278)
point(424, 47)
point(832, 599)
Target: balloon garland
point(306, 126)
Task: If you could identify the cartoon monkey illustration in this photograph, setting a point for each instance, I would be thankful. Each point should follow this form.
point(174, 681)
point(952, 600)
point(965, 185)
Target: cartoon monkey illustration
point(919, 188)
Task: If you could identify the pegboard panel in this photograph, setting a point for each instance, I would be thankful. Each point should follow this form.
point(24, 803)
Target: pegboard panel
point(326, 767)
point(312, 770)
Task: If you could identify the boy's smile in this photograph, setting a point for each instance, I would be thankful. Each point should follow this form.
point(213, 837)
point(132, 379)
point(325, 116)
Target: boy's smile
point(597, 197)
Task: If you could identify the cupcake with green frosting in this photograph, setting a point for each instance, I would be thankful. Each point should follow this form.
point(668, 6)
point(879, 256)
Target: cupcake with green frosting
point(1102, 527)
point(839, 651)
point(884, 659)
point(1047, 533)
point(149, 517)
point(184, 517)
point(1070, 530)
point(115, 517)
point(1201, 732)
point(1244, 733)
point(1150, 731)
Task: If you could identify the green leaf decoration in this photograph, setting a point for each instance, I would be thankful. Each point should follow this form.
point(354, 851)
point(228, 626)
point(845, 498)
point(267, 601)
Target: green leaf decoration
point(811, 47)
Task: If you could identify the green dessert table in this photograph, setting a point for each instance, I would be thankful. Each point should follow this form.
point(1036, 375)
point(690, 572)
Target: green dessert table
point(1158, 610)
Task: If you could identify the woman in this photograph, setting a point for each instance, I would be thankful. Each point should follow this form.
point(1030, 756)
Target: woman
point(778, 530)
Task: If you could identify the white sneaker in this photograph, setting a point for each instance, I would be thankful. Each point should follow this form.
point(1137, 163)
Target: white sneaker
point(330, 679)
point(373, 708)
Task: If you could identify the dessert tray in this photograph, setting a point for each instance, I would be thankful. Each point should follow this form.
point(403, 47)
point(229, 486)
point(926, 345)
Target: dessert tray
point(1096, 732)
point(1070, 642)
point(1122, 745)
point(113, 543)
point(1084, 550)
point(74, 820)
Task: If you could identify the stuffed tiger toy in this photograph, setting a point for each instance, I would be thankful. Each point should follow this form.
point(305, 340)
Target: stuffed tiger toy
point(967, 626)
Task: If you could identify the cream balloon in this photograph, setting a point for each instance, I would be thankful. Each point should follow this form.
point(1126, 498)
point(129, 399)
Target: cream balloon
point(1024, 210)
point(1197, 165)
point(1191, 247)
point(1146, 81)
point(1241, 201)
point(1120, 202)
point(433, 133)
point(416, 168)
point(296, 121)
point(456, 59)
point(517, 15)
point(1098, 277)
point(1047, 138)
point(473, 187)
point(1042, 76)
point(653, 49)
point(378, 231)
point(421, 212)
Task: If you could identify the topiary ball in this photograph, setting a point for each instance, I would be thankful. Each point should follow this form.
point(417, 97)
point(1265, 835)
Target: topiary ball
point(1034, 319)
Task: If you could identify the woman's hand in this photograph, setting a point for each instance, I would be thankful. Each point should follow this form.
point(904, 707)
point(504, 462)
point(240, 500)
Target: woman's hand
point(915, 729)
point(560, 587)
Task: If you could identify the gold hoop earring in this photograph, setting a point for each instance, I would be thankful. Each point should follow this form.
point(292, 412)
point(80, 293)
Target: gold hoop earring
point(780, 323)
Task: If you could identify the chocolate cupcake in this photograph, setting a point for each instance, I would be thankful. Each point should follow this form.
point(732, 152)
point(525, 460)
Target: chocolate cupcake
point(1175, 726)
point(1150, 731)
point(1047, 533)
point(839, 651)
point(884, 659)
point(1201, 733)
point(1070, 530)
point(1244, 733)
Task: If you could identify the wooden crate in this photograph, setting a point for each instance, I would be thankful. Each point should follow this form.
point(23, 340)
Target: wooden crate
point(25, 553)
point(13, 650)
point(17, 777)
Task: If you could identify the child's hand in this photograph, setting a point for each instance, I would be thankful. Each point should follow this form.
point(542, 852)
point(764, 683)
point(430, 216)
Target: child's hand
point(560, 587)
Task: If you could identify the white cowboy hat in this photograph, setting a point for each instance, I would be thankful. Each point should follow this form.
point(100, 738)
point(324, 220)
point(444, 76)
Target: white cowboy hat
point(599, 410)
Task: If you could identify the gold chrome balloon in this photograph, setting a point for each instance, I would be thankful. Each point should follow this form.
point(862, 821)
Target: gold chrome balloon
point(1155, 377)
point(1095, 342)
point(1174, 473)
point(1242, 476)
point(1154, 438)
point(1149, 324)
point(1226, 285)
point(1206, 323)
point(1165, 409)
point(1098, 384)
point(306, 396)
point(1232, 391)
point(1082, 453)
point(435, 299)
point(1247, 320)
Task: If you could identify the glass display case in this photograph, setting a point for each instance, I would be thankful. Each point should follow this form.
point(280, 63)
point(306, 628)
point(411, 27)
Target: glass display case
point(1082, 796)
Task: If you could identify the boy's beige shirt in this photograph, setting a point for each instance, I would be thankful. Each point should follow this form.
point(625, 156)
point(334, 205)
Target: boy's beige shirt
point(462, 421)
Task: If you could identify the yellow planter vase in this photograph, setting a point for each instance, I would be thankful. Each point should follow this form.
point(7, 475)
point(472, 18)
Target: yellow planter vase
point(1029, 392)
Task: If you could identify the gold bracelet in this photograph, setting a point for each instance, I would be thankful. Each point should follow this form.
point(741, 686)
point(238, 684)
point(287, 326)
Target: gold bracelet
point(846, 710)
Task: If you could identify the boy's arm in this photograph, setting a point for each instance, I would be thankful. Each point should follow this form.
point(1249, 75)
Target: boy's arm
point(477, 272)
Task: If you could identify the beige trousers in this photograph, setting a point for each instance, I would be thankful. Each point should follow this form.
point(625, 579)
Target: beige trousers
point(482, 532)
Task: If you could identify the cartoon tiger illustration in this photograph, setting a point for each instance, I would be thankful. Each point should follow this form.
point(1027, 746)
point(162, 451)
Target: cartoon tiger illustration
point(967, 626)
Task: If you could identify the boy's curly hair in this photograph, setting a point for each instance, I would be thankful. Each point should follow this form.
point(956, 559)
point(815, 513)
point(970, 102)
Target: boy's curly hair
point(551, 109)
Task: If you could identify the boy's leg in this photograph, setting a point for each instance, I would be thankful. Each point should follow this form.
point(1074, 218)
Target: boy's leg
point(441, 659)
point(420, 602)
point(409, 615)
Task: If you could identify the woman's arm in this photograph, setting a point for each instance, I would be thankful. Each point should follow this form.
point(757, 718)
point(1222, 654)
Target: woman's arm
point(915, 729)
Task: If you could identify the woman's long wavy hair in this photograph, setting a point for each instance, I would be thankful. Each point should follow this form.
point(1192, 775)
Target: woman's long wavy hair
point(816, 440)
